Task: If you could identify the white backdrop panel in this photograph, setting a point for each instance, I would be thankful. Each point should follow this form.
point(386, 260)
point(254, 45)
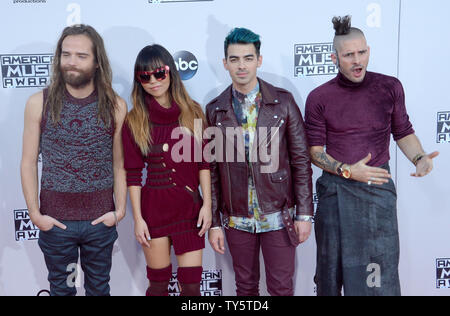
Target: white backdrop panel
point(200, 28)
point(423, 208)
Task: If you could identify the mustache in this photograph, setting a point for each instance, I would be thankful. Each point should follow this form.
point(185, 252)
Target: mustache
point(71, 69)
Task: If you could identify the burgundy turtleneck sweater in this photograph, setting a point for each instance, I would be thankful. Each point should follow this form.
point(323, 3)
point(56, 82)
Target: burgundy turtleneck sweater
point(355, 119)
point(170, 199)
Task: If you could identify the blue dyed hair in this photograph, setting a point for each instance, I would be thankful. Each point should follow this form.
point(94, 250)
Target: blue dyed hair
point(243, 36)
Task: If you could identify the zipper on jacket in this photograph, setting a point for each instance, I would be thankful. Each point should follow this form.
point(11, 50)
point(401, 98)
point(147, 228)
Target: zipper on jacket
point(251, 164)
point(229, 187)
point(219, 124)
point(276, 132)
point(256, 188)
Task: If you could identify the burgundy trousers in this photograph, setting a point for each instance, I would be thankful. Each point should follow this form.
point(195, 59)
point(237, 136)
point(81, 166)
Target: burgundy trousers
point(279, 261)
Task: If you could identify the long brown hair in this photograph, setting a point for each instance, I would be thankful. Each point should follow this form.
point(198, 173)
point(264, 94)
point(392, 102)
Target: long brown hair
point(102, 80)
point(138, 120)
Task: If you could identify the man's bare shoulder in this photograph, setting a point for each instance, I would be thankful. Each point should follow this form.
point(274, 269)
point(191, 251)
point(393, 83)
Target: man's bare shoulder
point(35, 104)
point(37, 98)
point(121, 109)
point(121, 104)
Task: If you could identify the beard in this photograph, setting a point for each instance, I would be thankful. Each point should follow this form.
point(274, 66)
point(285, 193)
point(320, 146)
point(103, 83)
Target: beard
point(80, 80)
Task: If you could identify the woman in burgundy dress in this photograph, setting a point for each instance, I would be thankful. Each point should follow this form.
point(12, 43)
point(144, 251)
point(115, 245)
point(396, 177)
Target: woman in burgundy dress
point(168, 210)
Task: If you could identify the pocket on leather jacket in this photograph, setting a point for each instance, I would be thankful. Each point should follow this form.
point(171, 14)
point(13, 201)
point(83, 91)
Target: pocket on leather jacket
point(279, 176)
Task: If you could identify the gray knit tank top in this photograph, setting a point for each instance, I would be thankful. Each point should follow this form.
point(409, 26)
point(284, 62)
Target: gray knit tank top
point(77, 162)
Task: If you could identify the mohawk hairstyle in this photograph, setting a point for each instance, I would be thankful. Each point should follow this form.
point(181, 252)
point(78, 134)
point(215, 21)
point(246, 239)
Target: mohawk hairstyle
point(342, 25)
point(344, 30)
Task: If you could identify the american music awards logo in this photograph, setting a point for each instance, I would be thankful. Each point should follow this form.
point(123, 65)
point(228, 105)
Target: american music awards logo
point(443, 127)
point(211, 284)
point(443, 273)
point(314, 60)
point(25, 229)
point(25, 71)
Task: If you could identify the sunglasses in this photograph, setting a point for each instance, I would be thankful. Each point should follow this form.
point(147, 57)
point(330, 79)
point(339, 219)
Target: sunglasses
point(160, 74)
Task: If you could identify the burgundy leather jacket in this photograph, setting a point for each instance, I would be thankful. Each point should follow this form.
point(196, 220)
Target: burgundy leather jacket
point(290, 185)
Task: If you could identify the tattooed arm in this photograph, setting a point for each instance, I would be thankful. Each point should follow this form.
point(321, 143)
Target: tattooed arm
point(360, 171)
point(322, 160)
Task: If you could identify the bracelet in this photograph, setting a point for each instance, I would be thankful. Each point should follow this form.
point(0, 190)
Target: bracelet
point(215, 228)
point(417, 158)
point(304, 218)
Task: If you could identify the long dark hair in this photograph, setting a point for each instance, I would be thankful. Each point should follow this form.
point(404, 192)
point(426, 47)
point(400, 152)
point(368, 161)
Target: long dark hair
point(102, 81)
point(150, 58)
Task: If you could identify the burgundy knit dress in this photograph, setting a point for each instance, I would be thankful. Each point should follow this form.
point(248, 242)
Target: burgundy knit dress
point(170, 199)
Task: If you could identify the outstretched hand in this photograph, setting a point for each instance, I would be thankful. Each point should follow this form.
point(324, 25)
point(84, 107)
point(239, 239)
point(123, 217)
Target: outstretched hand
point(425, 165)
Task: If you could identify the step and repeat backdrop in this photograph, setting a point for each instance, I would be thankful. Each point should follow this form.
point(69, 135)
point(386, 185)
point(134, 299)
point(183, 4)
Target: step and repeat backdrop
point(409, 39)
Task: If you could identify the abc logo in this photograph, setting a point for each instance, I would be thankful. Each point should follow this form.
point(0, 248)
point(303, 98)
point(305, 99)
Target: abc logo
point(187, 64)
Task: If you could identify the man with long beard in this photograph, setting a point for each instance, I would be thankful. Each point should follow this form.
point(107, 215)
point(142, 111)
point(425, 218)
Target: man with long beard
point(76, 124)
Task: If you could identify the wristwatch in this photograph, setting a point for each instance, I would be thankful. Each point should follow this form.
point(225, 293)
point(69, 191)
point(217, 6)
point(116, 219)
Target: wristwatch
point(344, 171)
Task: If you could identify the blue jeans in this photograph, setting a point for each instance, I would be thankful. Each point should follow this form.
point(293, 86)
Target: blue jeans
point(93, 244)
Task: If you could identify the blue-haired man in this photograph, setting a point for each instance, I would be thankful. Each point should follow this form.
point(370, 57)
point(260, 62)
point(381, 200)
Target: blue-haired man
point(264, 210)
